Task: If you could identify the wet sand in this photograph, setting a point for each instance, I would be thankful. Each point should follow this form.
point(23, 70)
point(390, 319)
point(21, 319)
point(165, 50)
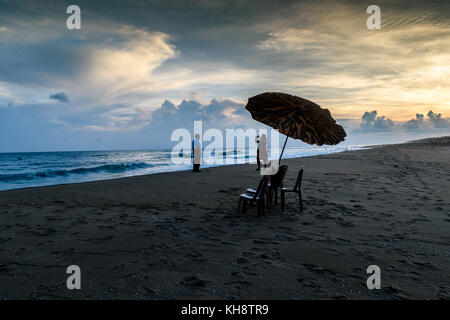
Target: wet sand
point(177, 235)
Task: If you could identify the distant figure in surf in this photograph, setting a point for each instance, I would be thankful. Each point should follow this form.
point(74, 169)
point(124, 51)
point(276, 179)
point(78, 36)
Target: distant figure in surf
point(262, 149)
point(257, 153)
point(197, 151)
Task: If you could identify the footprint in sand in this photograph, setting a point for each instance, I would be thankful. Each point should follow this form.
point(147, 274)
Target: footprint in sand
point(283, 237)
point(97, 240)
point(196, 281)
point(241, 260)
point(240, 284)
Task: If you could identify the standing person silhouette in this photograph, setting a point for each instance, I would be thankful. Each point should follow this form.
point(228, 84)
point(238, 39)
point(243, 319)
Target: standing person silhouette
point(257, 153)
point(197, 150)
point(262, 148)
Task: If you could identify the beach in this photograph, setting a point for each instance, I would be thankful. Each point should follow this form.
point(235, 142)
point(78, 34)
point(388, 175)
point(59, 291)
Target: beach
point(178, 236)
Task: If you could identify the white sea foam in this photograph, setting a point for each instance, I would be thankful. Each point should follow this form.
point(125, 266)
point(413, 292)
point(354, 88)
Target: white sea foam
point(22, 170)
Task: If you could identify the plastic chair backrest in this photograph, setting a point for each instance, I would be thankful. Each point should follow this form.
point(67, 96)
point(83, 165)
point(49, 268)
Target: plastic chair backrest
point(298, 183)
point(277, 179)
point(261, 187)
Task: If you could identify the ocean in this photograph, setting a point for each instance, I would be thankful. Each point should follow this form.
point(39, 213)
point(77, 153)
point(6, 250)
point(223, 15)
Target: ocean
point(34, 169)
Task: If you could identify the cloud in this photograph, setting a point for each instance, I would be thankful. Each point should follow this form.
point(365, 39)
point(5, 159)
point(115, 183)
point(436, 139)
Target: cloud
point(123, 63)
point(118, 126)
point(219, 114)
point(61, 97)
point(332, 54)
point(432, 122)
point(112, 64)
point(437, 120)
point(373, 123)
point(107, 118)
point(415, 124)
point(127, 67)
point(107, 62)
point(45, 128)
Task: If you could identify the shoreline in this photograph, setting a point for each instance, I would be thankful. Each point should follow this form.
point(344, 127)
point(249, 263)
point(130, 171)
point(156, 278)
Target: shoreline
point(357, 148)
point(177, 235)
point(164, 169)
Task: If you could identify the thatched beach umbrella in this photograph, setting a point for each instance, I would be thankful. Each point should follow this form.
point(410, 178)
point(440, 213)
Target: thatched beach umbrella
point(296, 117)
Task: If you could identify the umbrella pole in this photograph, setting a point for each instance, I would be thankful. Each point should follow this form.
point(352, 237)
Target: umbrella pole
point(284, 146)
point(287, 136)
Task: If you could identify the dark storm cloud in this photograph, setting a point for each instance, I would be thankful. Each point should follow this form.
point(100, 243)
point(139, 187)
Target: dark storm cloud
point(61, 97)
point(229, 31)
point(39, 63)
point(197, 26)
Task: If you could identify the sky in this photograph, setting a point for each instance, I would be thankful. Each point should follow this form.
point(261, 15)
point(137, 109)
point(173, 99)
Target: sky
point(137, 70)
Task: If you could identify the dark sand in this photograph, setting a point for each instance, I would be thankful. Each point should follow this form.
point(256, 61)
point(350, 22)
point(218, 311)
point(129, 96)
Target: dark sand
point(177, 235)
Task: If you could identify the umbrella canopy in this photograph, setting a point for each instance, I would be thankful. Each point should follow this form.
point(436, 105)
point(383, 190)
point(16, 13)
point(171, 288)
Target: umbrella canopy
point(296, 117)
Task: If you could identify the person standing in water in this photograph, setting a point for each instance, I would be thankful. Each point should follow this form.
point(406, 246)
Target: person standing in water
point(262, 149)
point(197, 151)
point(257, 153)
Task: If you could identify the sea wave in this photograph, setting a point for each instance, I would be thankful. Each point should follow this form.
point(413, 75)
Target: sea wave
point(23, 170)
point(107, 168)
